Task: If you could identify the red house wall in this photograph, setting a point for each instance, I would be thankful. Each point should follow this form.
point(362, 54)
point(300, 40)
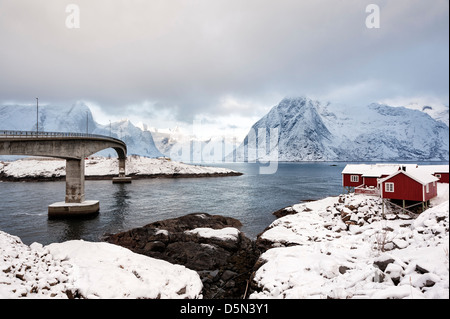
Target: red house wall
point(404, 188)
point(432, 191)
point(346, 180)
point(371, 181)
point(444, 177)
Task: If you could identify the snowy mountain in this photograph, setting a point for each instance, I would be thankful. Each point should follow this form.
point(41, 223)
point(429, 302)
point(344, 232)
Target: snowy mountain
point(184, 147)
point(439, 112)
point(138, 142)
point(311, 130)
point(77, 118)
point(297, 129)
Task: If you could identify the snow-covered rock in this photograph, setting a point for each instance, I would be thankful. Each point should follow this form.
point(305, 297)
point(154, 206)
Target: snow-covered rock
point(80, 269)
point(311, 130)
point(315, 254)
point(227, 233)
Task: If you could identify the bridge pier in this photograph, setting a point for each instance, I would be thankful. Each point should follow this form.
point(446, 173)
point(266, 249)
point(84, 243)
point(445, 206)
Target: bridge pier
point(74, 180)
point(121, 178)
point(75, 203)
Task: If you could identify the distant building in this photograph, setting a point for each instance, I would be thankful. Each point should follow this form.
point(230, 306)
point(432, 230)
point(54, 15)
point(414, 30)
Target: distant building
point(440, 171)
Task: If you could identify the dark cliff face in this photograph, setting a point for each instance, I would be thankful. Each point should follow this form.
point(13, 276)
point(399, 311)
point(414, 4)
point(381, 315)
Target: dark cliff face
point(223, 265)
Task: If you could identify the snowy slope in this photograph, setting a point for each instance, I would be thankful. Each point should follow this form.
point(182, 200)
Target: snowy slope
point(80, 269)
point(316, 254)
point(138, 142)
point(51, 118)
point(77, 118)
point(188, 148)
point(439, 112)
point(311, 130)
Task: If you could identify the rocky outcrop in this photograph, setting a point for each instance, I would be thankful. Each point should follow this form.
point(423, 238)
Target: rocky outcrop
point(212, 245)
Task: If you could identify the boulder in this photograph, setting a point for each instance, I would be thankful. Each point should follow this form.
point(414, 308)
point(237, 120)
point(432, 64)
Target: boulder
point(223, 262)
point(383, 261)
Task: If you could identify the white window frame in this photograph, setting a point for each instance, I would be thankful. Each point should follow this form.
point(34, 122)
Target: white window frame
point(354, 178)
point(389, 187)
point(427, 188)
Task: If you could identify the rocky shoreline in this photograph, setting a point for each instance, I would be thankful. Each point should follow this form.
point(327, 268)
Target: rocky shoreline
point(238, 267)
point(212, 245)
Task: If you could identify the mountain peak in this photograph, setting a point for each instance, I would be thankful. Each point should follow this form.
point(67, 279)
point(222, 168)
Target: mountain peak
point(310, 130)
point(295, 99)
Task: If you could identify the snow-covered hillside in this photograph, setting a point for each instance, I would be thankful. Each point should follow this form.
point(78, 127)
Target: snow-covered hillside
point(80, 269)
point(189, 148)
point(311, 130)
point(344, 247)
point(52, 118)
point(439, 112)
point(77, 118)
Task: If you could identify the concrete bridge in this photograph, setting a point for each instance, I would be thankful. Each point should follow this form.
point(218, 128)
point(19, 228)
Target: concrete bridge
point(74, 148)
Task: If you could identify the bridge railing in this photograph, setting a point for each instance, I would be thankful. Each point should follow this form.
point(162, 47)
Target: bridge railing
point(22, 134)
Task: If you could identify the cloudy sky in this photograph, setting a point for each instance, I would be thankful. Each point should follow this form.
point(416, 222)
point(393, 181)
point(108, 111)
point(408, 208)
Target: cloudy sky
point(225, 62)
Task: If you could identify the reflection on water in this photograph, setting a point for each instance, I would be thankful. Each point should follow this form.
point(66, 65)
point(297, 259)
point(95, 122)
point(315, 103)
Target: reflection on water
point(120, 206)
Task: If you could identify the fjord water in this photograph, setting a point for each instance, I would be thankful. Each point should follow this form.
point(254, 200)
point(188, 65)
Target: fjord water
point(251, 198)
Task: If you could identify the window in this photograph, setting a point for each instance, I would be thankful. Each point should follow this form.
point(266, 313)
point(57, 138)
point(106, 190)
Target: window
point(427, 188)
point(389, 187)
point(354, 178)
point(438, 175)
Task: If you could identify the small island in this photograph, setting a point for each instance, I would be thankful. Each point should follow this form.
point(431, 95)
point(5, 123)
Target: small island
point(98, 168)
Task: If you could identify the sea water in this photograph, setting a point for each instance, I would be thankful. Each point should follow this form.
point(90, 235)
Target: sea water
point(251, 198)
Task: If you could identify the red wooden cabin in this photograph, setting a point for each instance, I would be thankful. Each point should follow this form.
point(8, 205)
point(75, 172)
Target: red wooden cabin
point(413, 185)
point(352, 175)
point(365, 175)
point(443, 177)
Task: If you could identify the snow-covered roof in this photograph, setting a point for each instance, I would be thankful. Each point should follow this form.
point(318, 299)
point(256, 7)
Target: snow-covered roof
point(355, 168)
point(375, 170)
point(422, 174)
point(418, 174)
point(435, 168)
point(379, 170)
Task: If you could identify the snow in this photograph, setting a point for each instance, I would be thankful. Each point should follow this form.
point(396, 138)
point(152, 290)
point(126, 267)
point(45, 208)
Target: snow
point(316, 255)
point(318, 131)
point(418, 174)
point(227, 233)
point(373, 170)
point(101, 166)
point(89, 270)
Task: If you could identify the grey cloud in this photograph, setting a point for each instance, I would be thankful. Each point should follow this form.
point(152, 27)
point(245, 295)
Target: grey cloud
point(185, 56)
